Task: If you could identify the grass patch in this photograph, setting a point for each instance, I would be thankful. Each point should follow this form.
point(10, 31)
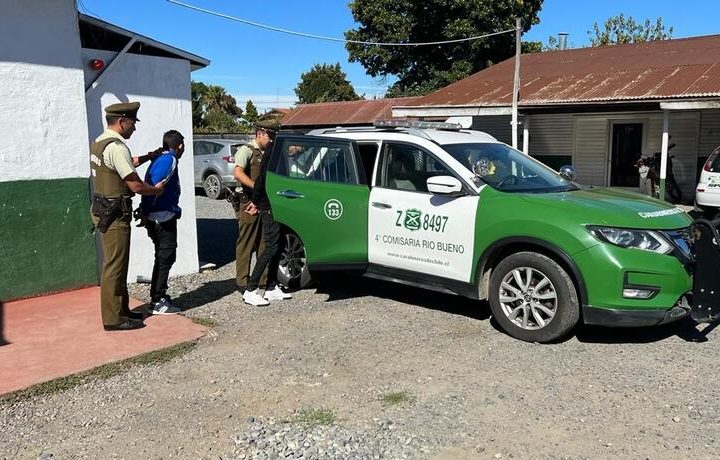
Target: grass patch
point(99, 373)
point(207, 322)
point(315, 417)
point(396, 398)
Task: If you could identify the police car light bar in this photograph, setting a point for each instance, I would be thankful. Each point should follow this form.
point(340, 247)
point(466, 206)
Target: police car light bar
point(416, 124)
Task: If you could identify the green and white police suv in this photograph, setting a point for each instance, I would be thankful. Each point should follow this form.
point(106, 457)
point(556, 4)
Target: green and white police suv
point(443, 208)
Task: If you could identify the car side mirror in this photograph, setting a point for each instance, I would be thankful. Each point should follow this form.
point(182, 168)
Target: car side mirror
point(567, 172)
point(444, 185)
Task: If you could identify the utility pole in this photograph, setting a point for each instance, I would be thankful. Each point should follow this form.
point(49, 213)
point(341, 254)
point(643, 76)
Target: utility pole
point(516, 84)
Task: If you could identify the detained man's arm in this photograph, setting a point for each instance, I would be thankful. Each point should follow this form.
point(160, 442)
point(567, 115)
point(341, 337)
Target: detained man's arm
point(137, 185)
point(137, 161)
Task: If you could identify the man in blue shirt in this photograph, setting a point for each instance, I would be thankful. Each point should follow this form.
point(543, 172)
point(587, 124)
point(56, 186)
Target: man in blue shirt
point(161, 215)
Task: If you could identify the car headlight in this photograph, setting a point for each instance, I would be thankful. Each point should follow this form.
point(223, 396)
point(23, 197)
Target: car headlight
point(646, 240)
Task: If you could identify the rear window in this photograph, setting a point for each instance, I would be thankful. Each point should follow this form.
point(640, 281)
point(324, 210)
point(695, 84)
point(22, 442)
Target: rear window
point(234, 148)
point(713, 162)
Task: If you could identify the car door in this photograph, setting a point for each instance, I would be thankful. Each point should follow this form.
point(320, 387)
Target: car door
point(412, 229)
point(317, 188)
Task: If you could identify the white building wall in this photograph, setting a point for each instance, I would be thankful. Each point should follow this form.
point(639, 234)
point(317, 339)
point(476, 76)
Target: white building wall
point(42, 111)
point(162, 86)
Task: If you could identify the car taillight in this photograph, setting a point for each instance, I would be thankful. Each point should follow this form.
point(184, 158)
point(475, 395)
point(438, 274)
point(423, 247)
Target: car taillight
point(229, 159)
point(700, 189)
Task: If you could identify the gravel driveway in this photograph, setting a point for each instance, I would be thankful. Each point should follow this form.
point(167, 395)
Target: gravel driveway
point(357, 368)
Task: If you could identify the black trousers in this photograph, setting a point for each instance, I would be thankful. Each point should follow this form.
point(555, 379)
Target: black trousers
point(164, 237)
point(270, 256)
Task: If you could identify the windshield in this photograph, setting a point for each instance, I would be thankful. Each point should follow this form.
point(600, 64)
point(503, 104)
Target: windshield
point(506, 169)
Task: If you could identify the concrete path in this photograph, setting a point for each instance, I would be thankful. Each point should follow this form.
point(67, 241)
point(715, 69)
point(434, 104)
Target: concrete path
point(57, 335)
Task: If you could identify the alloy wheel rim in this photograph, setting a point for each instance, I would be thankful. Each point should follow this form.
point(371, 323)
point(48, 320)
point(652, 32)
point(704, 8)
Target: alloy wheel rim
point(213, 185)
point(528, 298)
point(292, 259)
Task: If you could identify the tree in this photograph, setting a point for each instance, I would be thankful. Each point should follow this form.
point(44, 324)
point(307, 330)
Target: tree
point(213, 110)
point(251, 113)
point(220, 122)
point(197, 98)
point(325, 83)
point(422, 69)
point(620, 29)
point(217, 99)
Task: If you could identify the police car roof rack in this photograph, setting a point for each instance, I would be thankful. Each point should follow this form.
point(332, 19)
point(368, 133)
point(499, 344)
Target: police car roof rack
point(417, 124)
point(413, 127)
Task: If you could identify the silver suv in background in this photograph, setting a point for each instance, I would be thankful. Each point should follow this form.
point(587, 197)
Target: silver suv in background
point(214, 164)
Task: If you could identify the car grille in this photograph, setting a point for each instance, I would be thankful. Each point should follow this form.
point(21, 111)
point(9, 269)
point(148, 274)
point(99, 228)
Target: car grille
point(682, 242)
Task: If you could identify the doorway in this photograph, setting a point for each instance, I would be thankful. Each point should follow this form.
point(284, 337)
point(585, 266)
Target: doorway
point(626, 148)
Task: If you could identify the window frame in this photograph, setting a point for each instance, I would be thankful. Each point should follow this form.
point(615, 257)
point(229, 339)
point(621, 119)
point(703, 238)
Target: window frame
point(278, 166)
point(381, 178)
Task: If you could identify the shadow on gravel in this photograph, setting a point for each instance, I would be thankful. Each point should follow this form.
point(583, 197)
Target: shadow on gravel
point(216, 240)
point(339, 286)
point(208, 292)
point(685, 329)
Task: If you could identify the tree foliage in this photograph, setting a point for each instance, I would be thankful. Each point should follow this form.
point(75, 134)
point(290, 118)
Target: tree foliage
point(620, 29)
point(251, 113)
point(213, 109)
point(422, 69)
point(325, 83)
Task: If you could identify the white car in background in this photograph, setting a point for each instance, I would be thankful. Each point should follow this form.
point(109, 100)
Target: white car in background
point(707, 192)
point(215, 164)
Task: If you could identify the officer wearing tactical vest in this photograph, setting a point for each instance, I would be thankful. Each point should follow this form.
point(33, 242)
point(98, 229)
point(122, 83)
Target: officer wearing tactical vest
point(115, 181)
point(247, 170)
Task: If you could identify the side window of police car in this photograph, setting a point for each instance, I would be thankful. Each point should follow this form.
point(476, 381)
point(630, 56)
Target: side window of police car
point(408, 167)
point(317, 161)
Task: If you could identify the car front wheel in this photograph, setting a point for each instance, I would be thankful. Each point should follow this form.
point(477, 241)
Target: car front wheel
point(292, 269)
point(213, 187)
point(533, 298)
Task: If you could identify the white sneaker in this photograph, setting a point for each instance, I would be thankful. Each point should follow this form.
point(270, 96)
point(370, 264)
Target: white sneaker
point(254, 298)
point(164, 307)
point(277, 294)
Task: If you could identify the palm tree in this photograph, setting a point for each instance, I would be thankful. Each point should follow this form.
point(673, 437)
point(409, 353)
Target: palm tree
point(217, 99)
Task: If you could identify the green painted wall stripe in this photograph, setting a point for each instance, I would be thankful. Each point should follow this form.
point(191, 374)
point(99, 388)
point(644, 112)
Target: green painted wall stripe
point(46, 237)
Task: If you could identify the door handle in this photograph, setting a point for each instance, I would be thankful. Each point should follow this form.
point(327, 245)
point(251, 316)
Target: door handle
point(377, 204)
point(290, 194)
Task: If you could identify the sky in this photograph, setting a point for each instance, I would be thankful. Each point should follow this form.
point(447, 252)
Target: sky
point(265, 66)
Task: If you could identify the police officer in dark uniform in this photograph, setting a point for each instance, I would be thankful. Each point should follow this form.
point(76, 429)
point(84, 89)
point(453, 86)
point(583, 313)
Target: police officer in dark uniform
point(247, 170)
point(115, 181)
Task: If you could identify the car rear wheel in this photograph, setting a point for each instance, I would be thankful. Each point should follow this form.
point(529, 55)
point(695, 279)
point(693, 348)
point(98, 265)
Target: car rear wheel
point(533, 298)
point(292, 269)
point(213, 187)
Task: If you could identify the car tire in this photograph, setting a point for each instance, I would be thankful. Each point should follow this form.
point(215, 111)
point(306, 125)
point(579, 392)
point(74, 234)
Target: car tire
point(293, 271)
point(523, 311)
point(213, 187)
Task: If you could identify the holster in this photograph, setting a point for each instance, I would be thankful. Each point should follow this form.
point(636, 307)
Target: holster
point(108, 210)
point(238, 200)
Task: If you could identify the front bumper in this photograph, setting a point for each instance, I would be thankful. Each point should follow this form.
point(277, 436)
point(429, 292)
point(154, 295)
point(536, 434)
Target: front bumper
point(635, 318)
point(701, 301)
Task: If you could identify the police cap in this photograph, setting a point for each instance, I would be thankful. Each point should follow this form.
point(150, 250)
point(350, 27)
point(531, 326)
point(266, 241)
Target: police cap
point(125, 109)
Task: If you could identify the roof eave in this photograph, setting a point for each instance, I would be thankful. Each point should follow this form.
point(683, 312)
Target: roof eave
point(196, 62)
point(669, 102)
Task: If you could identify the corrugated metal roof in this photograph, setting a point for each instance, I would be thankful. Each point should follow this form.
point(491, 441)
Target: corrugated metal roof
point(681, 68)
point(344, 113)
